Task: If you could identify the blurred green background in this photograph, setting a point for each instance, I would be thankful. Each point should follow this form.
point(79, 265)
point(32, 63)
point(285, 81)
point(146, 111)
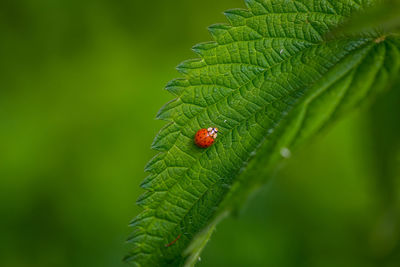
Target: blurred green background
point(80, 84)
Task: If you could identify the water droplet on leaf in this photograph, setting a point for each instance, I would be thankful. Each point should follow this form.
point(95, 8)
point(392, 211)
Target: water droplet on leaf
point(286, 153)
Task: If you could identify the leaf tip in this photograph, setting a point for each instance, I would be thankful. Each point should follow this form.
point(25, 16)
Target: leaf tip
point(186, 66)
point(201, 48)
point(218, 32)
point(167, 111)
point(237, 16)
point(177, 86)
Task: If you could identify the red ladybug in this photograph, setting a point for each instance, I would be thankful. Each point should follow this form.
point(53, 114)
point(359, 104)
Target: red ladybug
point(205, 137)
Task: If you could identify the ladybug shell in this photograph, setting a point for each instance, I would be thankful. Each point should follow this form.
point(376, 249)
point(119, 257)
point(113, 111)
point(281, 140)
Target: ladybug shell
point(203, 139)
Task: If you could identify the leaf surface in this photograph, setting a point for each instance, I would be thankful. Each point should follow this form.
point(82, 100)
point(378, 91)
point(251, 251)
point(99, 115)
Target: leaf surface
point(269, 82)
point(385, 17)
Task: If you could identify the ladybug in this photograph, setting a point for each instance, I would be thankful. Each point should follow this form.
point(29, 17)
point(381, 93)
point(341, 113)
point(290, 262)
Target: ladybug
point(205, 137)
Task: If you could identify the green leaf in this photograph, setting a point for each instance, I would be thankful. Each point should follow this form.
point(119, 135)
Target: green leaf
point(269, 82)
point(384, 18)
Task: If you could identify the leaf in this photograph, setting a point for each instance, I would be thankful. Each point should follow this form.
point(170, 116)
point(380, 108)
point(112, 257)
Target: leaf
point(384, 18)
point(269, 82)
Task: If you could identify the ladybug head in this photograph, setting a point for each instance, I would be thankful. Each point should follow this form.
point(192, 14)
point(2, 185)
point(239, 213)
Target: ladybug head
point(212, 132)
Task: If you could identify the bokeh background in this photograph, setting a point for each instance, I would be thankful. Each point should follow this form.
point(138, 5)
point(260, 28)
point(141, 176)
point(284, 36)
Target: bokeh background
point(80, 84)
